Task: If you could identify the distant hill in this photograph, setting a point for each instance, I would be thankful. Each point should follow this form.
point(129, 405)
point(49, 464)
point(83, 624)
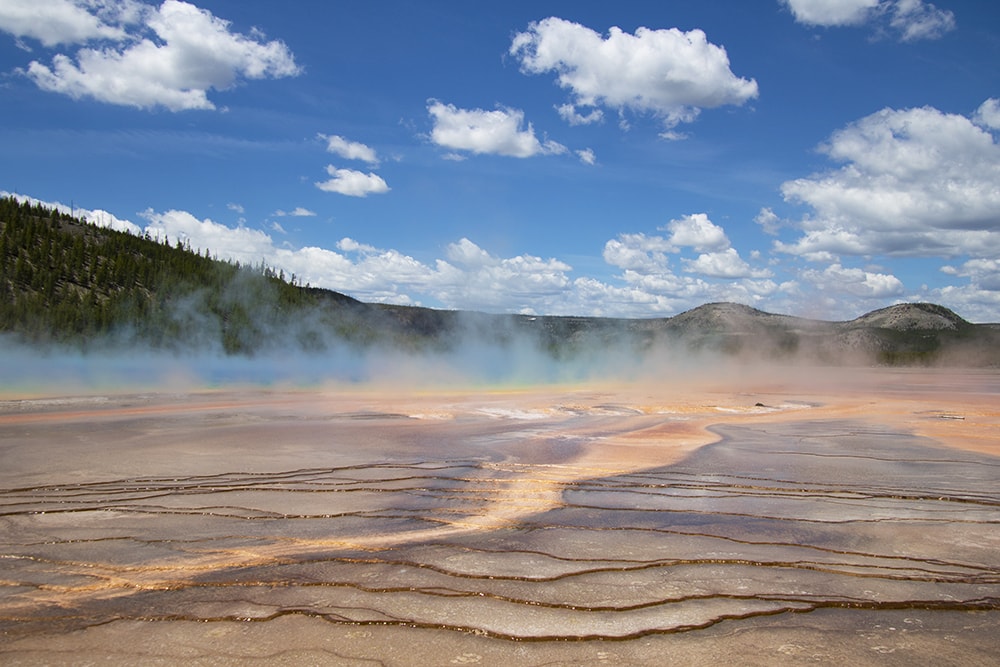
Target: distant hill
point(903, 334)
point(67, 283)
point(912, 317)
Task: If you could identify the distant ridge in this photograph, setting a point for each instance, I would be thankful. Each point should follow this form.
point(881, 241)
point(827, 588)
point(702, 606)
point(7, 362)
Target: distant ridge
point(66, 282)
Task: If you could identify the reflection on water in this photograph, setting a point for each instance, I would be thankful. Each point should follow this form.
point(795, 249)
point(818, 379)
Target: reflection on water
point(843, 519)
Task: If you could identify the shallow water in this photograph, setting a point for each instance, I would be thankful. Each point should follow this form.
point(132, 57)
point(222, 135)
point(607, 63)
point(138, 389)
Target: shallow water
point(549, 527)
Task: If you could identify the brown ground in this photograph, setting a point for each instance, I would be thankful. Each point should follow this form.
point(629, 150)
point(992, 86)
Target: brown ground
point(540, 441)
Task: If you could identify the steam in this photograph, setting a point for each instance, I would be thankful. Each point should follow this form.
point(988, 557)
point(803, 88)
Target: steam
point(28, 369)
point(351, 345)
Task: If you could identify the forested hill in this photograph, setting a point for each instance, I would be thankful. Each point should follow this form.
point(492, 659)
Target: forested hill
point(67, 283)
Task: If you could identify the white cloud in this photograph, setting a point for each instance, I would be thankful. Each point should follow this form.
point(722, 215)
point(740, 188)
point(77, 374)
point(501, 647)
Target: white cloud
point(639, 253)
point(988, 114)
point(497, 132)
point(673, 135)
point(570, 114)
point(698, 232)
point(475, 279)
point(915, 19)
point(469, 277)
point(352, 183)
point(297, 212)
point(979, 299)
point(972, 303)
point(856, 282)
point(720, 274)
point(350, 150)
point(831, 12)
point(669, 73)
point(348, 244)
point(768, 221)
point(648, 254)
point(467, 253)
point(911, 19)
point(54, 22)
point(587, 156)
point(194, 52)
point(723, 264)
point(916, 182)
point(983, 273)
point(247, 246)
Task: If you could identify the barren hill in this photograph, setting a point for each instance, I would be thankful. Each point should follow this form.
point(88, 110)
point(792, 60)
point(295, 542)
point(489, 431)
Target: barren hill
point(912, 316)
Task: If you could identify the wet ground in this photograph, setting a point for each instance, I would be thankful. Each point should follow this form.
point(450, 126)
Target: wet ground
point(758, 519)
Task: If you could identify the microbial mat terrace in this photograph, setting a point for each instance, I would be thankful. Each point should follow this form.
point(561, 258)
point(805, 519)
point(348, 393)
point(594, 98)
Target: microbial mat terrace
point(751, 518)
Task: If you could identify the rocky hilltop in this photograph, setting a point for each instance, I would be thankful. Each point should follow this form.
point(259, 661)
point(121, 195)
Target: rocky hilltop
point(912, 317)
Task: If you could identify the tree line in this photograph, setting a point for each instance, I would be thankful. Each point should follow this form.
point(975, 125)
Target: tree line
point(64, 281)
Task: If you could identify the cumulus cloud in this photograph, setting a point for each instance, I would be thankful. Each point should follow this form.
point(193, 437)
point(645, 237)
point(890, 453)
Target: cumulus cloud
point(350, 150)
point(189, 53)
point(698, 232)
point(725, 263)
point(831, 12)
point(984, 274)
point(915, 182)
point(648, 256)
point(643, 253)
point(498, 132)
point(54, 22)
point(242, 244)
point(716, 272)
point(988, 114)
point(352, 183)
point(668, 73)
point(856, 282)
point(473, 278)
point(468, 277)
point(639, 252)
point(910, 19)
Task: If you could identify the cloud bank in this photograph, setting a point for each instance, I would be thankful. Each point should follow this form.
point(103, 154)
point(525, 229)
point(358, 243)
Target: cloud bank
point(914, 182)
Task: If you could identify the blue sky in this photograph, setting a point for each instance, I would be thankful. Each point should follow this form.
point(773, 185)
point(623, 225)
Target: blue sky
point(815, 157)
